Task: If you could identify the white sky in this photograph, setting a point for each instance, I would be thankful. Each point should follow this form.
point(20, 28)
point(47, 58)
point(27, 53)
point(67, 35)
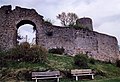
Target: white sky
point(24, 30)
point(104, 13)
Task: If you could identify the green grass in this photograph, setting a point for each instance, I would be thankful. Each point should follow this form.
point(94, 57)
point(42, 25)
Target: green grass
point(67, 62)
point(60, 62)
point(110, 70)
point(110, 73)
point(102, 80)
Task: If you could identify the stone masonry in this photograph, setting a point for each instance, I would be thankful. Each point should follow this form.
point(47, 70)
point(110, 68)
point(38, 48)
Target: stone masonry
point(99, 46)
point(85, 23)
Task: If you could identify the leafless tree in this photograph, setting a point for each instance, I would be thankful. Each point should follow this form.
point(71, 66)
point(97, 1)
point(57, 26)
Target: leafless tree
point(67, 19)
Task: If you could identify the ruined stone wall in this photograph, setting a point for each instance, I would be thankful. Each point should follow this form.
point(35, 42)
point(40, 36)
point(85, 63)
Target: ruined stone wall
point(9, 20)
point(99, 46)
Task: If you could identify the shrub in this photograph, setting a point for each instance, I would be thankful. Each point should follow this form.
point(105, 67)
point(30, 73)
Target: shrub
point(81, 60)
point(77, 27)
point(3, 63)
point(48, 22)
point(100, 72)
point(39, 54)
point(57, 50)
point(25, 53)
point(118, 63)
point(92, 60)
point(25, 45)
point(23, 75)
point(15, 54)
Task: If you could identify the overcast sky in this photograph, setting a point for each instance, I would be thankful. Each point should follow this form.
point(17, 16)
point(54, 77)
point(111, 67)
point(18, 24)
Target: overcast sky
point(104, 13)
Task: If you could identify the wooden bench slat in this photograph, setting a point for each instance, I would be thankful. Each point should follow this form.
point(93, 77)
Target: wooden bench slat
point(82, 72)
point(52, 73)
point(46, 75)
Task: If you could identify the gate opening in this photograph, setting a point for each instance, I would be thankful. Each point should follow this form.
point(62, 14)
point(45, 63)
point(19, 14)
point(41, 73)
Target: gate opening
point(26, 32)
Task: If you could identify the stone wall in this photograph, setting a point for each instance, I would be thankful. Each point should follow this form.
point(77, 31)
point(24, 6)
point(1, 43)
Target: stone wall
point(99, 46)
point(85, 23)
point(9, 23)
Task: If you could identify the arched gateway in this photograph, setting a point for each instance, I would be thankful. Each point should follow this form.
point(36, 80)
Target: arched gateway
point(30, 35)
point(99, 46)
point(13, 19)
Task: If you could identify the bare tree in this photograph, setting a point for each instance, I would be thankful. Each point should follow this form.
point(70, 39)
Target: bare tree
point(67, 19)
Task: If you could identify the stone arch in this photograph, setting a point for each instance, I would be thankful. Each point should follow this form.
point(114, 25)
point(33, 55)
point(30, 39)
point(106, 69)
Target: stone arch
point(12, 20)
point(23, 22)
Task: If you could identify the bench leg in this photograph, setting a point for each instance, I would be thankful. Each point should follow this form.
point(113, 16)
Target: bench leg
point(92, 77)
point(58, 79)
point(76, 78)
point(35, 80)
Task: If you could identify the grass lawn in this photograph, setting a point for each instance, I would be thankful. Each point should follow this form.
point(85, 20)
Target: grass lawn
point(107, 72)
point(102, 80)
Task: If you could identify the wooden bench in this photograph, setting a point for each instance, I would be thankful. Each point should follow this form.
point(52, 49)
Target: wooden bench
point(46, 75)
point(82, 72)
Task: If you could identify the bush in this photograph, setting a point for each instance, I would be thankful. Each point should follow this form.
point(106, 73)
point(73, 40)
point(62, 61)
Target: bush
point(3, 61)
point(39, 54)
point(25, 53)
point(57, 50)
point(100, 72)
point(77, 27)
point(92, 60)
point(81, 60)
point(25, 45)
point(48, 22)
point(24, 75)
point(118, 63)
